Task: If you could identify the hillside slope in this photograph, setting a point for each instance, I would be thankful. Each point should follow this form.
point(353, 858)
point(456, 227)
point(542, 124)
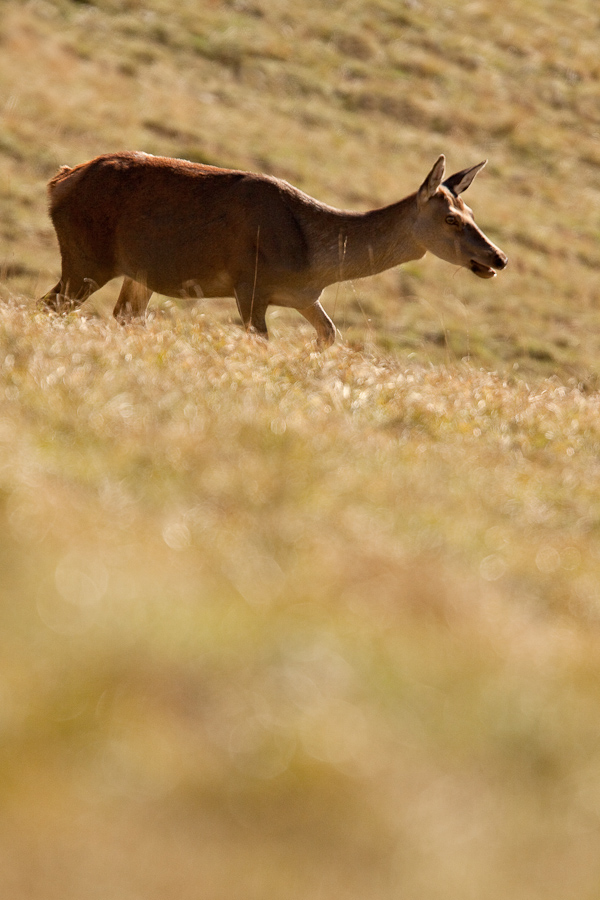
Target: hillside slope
point(276, 623)
point(352, 104)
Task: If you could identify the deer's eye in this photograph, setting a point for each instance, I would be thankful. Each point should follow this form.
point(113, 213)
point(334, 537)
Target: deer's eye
point(451, 220)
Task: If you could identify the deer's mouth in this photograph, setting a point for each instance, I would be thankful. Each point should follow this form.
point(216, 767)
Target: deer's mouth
point(480, 270)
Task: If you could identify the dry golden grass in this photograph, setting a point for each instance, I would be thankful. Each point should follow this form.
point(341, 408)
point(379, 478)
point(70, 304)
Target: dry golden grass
point(352, 103)
point(276, 623)
point(292, 621)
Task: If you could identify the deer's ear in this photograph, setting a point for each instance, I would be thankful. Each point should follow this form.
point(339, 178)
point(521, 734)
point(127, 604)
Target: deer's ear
point(433, 181)
point(461, 181)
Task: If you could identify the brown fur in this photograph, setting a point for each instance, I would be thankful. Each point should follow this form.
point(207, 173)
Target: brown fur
point(185, 229)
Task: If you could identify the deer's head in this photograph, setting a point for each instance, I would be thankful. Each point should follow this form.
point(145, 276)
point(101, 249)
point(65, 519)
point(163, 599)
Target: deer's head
point(445, 225)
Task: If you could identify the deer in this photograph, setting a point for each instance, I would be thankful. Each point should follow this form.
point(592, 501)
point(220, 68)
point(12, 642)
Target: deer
point(190, 230)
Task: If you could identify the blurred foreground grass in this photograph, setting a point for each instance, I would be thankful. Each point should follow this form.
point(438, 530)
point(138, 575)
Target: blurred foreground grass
point(276, 623)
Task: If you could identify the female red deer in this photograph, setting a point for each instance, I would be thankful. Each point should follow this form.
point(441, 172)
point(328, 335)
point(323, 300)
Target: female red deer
point(184, 229)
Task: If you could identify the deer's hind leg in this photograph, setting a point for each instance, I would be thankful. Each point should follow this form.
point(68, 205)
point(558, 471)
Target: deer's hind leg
point(132, 302)
point(69, 293)
point(77, 283)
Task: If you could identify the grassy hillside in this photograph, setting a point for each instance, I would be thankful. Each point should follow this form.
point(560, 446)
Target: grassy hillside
point(352, 102)
point(276, 623)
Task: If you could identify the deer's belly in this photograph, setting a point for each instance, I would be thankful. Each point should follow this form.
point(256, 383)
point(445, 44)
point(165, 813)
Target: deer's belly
point(216, 285)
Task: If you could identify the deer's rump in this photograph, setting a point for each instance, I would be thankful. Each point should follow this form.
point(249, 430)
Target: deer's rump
point(177, 226)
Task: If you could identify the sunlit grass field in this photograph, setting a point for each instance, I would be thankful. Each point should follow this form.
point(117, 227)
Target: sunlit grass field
point(280, 623)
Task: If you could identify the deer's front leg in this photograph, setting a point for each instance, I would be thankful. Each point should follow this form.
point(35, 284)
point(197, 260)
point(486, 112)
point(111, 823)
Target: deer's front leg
point(253, 309)
point(319, 319)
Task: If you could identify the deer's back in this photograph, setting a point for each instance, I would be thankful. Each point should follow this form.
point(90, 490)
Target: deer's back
point(177, 221)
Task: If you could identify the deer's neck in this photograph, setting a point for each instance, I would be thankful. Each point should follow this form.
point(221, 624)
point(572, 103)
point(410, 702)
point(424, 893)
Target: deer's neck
point(355, 245)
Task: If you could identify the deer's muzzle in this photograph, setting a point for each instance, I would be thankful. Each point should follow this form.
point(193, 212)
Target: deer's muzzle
point(483, 271)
